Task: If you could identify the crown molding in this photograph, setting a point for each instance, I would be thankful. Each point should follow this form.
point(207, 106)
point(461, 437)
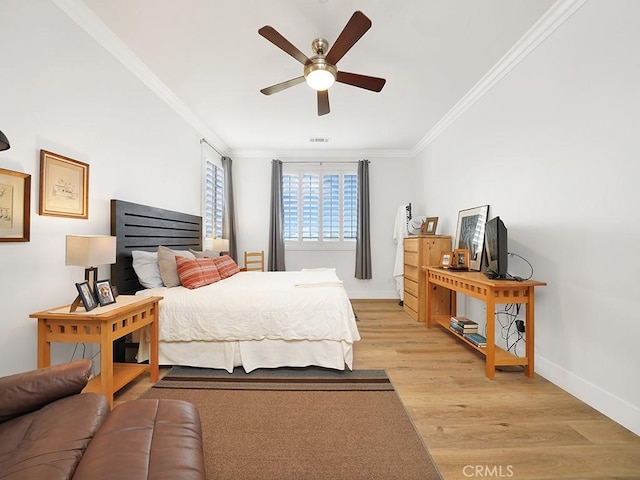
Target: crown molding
point(325, 154)
point(553, 18)
point(89, 22)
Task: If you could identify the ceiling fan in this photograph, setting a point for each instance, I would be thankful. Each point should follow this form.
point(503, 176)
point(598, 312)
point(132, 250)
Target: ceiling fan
point(320, 71)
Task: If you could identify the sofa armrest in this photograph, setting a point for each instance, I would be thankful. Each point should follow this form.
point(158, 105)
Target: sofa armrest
point(29, 391)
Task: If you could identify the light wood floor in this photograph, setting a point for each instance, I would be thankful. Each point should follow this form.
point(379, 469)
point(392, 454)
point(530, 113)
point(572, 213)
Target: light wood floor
point(510, 427)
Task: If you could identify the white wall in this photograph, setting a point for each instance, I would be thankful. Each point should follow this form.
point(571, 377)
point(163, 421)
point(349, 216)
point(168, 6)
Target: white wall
point(392, 184)
point(64, 93)
point(553, 149)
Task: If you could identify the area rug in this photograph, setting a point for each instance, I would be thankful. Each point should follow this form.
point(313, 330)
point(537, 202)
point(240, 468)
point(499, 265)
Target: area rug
point(301, 424)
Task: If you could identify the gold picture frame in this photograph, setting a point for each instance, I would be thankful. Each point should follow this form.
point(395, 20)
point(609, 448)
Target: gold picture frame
point(64, 186)
point(429, 226)
point(15, 206)
point(445, 259)
point(460, 259)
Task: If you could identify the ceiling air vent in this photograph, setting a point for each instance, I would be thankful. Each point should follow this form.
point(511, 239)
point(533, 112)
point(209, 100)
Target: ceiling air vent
point(319, 140)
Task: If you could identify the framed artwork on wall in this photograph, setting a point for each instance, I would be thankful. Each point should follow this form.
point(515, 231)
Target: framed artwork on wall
point(15, 201)
point(64, 186)
point(470, 234)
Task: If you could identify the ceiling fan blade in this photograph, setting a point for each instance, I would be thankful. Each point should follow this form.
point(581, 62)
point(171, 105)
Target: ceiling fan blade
point(355, 28)
point(374, 84)
point(279, 41)
point(323, 102)
point(278, 87)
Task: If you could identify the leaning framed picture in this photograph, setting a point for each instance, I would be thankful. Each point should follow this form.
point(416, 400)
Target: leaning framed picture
point(104, 293)
point(64, 186)
point(470, 234)
point(15, 201)
point(86, 295)
point(429, 226)
point(445, 259)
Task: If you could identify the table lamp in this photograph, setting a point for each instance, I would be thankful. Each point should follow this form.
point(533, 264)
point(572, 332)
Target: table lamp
point(221, 245)
point(89, 251)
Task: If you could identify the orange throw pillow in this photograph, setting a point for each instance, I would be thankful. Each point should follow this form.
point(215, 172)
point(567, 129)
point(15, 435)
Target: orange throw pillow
point(226, 266)
point(197, 272)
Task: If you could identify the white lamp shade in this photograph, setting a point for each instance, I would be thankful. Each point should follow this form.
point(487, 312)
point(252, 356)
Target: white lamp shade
point(90, 250)
point(220, 245)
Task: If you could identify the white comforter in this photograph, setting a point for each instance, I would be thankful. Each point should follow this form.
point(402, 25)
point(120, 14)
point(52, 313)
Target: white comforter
point(304, 305)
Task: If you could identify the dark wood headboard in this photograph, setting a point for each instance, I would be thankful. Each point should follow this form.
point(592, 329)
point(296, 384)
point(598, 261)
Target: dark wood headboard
point(140, 227)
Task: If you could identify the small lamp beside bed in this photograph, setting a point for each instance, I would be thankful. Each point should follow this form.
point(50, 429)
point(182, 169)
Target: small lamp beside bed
point(221, 245)
point(89, 251)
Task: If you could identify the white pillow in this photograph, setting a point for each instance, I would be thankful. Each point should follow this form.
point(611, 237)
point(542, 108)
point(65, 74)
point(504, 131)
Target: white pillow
point(145, 264)
point(167, 264)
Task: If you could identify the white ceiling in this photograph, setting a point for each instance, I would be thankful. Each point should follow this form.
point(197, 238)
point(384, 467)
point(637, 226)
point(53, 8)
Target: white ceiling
point(208, 54)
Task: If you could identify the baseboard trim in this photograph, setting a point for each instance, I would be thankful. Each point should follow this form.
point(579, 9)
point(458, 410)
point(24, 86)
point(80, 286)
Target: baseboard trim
point(615, 408)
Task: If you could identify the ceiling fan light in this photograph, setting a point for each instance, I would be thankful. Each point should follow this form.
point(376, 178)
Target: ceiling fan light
point(319, 74)
point(320, 79)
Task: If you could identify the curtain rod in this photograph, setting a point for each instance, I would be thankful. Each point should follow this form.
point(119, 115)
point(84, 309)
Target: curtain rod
point(324, 161)
point(204, 140)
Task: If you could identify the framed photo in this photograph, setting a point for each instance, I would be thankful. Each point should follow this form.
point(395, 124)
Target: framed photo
point(445, 259)
point(460, 259)
point(470, 234)
point(104, 293)
point(15, 201)
point(86, 295)
point(64, 186)
point(429, 226)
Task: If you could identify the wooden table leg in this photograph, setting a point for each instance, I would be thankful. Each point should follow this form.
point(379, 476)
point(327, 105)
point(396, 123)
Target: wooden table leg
point(490, 363)
point(106, 363)
point(44, 345)
point(153, 347)
point(529, 335)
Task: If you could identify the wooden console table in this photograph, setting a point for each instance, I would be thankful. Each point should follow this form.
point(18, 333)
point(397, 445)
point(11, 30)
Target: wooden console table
point(492, 292)
point(103, 325)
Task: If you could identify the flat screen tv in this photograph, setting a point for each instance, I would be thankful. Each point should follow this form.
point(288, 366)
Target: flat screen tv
point(495, 241)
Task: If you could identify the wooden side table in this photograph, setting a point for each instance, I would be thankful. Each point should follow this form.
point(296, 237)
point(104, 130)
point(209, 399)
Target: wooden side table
point(103, 325)
point(491, 292)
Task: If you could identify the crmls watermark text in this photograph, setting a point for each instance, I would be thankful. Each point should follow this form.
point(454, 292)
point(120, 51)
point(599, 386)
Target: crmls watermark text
point(488, 471)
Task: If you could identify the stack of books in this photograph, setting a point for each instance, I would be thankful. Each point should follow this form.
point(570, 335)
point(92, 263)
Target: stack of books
point(477, 339)
point(463, 325)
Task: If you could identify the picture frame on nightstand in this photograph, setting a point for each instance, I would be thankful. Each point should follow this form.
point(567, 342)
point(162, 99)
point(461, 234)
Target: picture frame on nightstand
point(104, 292)
point(86, 295)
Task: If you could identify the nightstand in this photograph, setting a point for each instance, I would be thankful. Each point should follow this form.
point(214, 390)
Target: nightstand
point(103, 325)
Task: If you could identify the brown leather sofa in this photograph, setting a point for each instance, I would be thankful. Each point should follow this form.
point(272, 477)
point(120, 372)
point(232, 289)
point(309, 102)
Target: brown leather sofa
point(50, 431)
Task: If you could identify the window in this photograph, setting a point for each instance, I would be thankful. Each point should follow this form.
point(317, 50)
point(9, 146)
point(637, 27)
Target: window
point(213, 202)
point(320, 207)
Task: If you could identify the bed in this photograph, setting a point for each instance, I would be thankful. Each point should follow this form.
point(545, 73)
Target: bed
point(250, 319)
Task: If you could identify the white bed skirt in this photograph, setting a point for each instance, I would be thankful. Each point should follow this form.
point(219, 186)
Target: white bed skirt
point(254, 354)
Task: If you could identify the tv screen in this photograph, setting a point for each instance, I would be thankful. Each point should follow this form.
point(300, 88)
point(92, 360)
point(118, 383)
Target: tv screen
point(495, 241)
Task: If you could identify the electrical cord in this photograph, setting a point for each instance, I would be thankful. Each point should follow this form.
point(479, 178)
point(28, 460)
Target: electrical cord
point(527, 262)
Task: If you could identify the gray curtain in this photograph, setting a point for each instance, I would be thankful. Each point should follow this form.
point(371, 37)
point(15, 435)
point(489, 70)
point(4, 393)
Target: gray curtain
point(276, 220)
point(229, 219)
point(363, 240)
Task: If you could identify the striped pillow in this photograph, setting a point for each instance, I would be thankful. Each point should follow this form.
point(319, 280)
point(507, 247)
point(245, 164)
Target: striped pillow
point(197, 272)
point(226, 266)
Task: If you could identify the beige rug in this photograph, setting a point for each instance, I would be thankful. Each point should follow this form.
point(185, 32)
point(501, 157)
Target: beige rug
point(277, 429)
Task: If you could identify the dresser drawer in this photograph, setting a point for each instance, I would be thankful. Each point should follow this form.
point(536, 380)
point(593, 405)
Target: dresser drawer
point(411, 272)
point(411, 258)
point(411, 287)
point(410, 302)
point(411, 244)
